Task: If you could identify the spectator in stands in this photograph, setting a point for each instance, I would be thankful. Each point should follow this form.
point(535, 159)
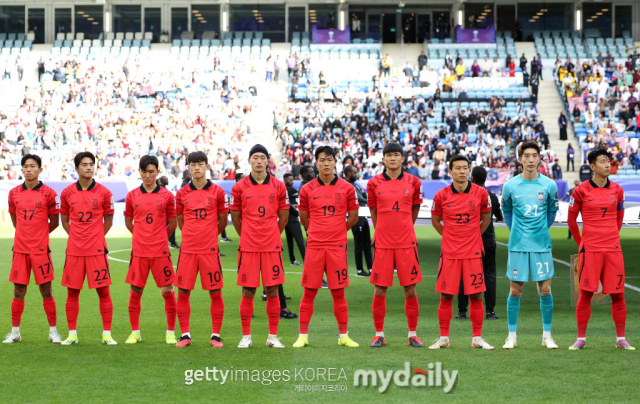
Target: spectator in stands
point(495, 68)
point(539, 65)
point(460, 69)
point(270, 68)
point(570, 157)
point(486, 67)
point(556, 171)
point(422, 60)
point(475, 69)
point(562, 124)
point(523, 62)
point(512, 68)
point(386, 62)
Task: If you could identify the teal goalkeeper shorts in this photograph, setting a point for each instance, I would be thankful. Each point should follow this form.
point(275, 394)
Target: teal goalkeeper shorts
point(521, 264)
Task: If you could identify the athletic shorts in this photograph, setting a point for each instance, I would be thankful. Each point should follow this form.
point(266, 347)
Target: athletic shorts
point(160, 267)
point(94, 267)
point(22, 264)
point(450, 272)
point(209, 267)
point(606, 267)
point(317, 261)
point(251, 265)
point(521, 264)
point(385, 260)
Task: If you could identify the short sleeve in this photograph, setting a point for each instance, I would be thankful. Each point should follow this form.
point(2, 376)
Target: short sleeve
point(417, 193)
point(352, 197)
point(223, 201)
point(507, 203)
point(283, 198)
point(235, 203)
point(575, 202)
point(54, 203)
point(372, 200)
point(128, 205)
point(554, 203)
point(107, 202)
point(485, 201)
point(303, 205)
point(179, 203)
point(171, 205)
point(436, 209)
point(12, 203)
point(64, 203)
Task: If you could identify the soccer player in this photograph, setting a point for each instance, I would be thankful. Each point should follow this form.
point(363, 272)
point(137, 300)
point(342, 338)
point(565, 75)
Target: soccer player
point(147, 211)
point(34, 210)
point(325, 204)
point(87, 215)
point(394, 198)
point(259, 212)
point(461, 213)
point(201, 208)
point(601, 203)
point(530, 203)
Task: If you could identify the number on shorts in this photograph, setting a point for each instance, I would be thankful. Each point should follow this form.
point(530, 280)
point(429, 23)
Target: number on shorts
point(105, 275)
point(167, 271)
point(214, 276)
point(414, 273)
point(42, 269)
point(540, 265)
point(342, 275)
point(477, 279)
point(620, 280)
point(276, 270)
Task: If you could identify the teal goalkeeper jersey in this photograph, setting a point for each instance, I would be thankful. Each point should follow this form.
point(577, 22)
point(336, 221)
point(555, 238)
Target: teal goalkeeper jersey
point(529, 202)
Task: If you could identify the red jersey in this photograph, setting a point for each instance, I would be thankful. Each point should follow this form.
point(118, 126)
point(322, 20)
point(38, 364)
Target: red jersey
point(599, 208)
point(461, 214)
point(86, 210)
point(200, 208)
point(150, 211)
point(394, 200)
point(259, 204)
point(327, 206)
point(32, 208)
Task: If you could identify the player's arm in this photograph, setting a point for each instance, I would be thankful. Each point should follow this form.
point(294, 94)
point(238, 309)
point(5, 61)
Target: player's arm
point(303, 206)
point(436, 222)
point(54, 221)
point(128, 221)
point(54, 212)
point(553, 205)
point(352, 208)
point(108, 209)
point(65, 222)
point(171, 227)
point(236, 219)
point(415, 209)
point(417, 200)
point(222, 221)
point(372, 202)
point(353, 218)
point(108, 222)
point(14, 220)
point(436, 214)
point(486, 221)
point(283, 219)
point(507, 206)
point(283, 207)
point(620, 209)
point(304, 218)
point(180, 219)
point(235, 206)
point(128, 213)
point(575, 205)
point(374, 216)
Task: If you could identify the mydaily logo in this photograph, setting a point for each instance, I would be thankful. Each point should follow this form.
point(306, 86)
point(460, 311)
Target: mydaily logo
point(434, 376)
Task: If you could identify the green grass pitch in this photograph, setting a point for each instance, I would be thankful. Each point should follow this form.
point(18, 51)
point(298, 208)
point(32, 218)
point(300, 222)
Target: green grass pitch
point(35, 370)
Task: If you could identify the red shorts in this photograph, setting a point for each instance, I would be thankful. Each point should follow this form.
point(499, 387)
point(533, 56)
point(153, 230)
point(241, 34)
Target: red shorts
point(209, 267)
point(404, 259)
point(604, 266)
point(252, 264)
point(469, 269)
point(22, 265)
point(318, 261)
point(95, 267)
point(161, 268)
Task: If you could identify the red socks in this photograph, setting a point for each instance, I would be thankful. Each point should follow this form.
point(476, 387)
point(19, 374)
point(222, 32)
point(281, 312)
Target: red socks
point(411, 310)
point(170, 310)
point(50, 310)
point(476, 314)
point(583, 312)
point(340, 310)
point(217, 312)
point(134, 310)
point(445, 312)
point(17, 307)
point(306, 309)
point(619, 312)
point(106, 307)
point(379, 310)
point(184, 311)
point(273, 311)
point(73, 307)
point(246, 311)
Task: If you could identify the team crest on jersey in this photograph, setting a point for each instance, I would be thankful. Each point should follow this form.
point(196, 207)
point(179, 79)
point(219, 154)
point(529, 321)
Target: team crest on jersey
point(209, 202)
point(338, 199)
point(540, 197)
point(94, 203)
point(515, 273)
point(472, 206)
point(613, 200)
point(405, 192)
point(38, 203)
point(272, 198)
point(159, 205)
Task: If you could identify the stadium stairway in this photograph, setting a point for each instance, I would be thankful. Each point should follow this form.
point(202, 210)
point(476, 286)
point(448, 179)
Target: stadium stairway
point(411, 53)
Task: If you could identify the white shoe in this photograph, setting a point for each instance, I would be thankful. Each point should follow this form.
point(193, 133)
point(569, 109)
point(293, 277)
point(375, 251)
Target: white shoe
point(11, 338)
point(480, 343)
point(245, 342)
point(274, 342)
point(511, 342)
point(440, 343)
point(54, 336)
point(549, 342)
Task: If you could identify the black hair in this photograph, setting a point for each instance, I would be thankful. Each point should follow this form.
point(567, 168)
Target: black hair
point(287, 175)
point(26, 157)
point(198, 157)
point(146, 161)
point(82, 155)
point(239, 176)
point(479, 175)
point(392, 147)
point(457, 157)
point(305, 169)
point(528, 144)
point(593, 156)
point(327, 150)
point(348, 169)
